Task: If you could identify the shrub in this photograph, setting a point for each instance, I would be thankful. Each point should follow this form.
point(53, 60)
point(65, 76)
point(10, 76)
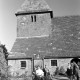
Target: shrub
point(56, 71)
point(62, 70)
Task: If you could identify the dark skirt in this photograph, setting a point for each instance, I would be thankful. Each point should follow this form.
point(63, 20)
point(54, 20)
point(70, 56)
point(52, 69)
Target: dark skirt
point(69, 72)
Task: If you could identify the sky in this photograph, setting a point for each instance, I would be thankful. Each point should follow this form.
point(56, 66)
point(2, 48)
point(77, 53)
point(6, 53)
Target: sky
point(8, 20)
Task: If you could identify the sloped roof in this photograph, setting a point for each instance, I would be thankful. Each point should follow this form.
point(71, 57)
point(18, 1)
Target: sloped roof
point(30, 46)
point(66, 32)
point(63, 42)
point(17, 56)
point(34, 6)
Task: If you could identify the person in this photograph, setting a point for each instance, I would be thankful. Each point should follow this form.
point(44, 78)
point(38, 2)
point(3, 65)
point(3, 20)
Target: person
point(48, 76)
point(45, 70)
point(34, 73)
point(79, 69)
point(39, 73)
point(72, 76)
point(47, 73)
point(68, 67)
point(69, 71)
point(75, 70)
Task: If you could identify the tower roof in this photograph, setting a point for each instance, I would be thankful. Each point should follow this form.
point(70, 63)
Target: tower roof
point(34, 6)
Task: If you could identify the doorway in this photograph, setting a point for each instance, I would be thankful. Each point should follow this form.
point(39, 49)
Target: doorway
point(38, 62)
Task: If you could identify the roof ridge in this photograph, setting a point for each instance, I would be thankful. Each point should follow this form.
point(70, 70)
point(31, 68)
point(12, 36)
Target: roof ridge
point(66, 16)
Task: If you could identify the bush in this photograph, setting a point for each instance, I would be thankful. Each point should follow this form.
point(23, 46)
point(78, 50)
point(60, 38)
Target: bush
point(56, 71)
point(60, 71)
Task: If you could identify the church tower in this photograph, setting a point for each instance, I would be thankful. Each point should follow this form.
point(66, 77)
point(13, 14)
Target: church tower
point(34, 19)
point(33, 30)
point(33, 26)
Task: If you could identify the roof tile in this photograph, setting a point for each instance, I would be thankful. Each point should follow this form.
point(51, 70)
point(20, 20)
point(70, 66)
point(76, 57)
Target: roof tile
point(59, 44)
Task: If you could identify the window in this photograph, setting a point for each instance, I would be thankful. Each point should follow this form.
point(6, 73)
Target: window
point(23, 64)
point(33, 18)
point(53, 62)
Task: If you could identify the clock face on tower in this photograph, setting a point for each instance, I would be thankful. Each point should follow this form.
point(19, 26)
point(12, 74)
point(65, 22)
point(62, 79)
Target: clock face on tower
point(34, 25)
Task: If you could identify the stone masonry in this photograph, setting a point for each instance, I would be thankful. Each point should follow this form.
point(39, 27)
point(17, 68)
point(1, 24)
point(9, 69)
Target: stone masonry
point(27, 28)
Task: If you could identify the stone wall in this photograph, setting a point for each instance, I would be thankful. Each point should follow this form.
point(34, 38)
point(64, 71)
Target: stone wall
point(16, 70)
point(60, 62)
point(34, 6)
point(28, 28)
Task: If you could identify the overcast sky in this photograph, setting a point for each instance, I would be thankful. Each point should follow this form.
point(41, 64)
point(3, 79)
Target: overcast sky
point(8, 20)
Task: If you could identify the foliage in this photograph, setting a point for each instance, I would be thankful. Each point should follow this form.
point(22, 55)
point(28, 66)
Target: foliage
point(3, 77)
point(57, 71)
point(60, 71)
point(4, 50)
point(3, 70)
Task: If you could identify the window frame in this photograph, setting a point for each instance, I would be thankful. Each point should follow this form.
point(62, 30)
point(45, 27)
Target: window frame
point(23, 64)
point(33, 18)
point(53, 62)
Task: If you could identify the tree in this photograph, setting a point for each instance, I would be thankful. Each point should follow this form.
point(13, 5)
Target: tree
point(4, 50)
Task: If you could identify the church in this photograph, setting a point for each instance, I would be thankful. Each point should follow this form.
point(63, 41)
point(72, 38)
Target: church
point(43, 39)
